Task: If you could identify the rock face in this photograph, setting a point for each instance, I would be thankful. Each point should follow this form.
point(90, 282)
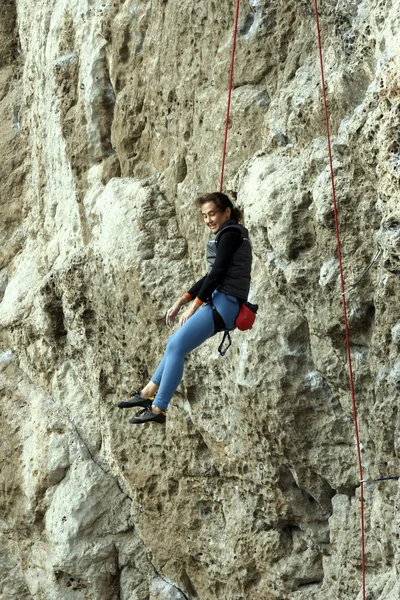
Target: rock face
point(112, 119)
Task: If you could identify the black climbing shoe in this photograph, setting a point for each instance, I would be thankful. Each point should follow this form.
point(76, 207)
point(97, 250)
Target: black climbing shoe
point(135, 400)
point(145, 416)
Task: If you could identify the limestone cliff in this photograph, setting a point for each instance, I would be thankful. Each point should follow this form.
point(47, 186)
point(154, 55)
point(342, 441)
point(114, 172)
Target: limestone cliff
point(112, 119)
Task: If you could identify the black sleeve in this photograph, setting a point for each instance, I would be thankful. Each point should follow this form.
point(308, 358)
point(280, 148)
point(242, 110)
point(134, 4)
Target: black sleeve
point(228, 243)
point(194, 290)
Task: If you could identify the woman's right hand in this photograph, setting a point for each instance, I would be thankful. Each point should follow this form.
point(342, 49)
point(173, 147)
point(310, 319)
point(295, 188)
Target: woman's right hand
point(171, 314)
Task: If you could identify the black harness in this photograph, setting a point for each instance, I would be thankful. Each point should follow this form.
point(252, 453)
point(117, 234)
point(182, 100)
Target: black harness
point(219, 325)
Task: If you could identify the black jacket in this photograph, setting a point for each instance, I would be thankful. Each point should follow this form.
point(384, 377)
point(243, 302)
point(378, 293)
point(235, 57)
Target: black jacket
point(229, 256)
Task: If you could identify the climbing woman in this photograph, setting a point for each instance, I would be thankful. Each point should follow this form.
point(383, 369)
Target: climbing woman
point(217, 296)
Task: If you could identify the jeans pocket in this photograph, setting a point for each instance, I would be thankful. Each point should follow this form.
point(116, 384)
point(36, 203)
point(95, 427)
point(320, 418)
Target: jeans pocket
point(232, 299)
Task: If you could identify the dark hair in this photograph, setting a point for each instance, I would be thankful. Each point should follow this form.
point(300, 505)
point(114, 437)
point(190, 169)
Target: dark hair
point(222, 201)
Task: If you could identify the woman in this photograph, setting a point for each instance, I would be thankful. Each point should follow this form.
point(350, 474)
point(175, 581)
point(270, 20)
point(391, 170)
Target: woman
point(225, 286)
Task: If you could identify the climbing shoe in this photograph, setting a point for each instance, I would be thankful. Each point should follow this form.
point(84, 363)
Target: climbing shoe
point(136, 400)
point(145, 416)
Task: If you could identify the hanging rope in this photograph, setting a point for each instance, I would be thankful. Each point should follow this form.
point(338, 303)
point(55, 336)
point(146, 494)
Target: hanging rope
point(228, 110)
point(348, 346)
point(353, 397)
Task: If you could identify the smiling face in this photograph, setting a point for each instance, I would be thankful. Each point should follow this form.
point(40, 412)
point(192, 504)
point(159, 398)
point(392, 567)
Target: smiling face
point(213, 217)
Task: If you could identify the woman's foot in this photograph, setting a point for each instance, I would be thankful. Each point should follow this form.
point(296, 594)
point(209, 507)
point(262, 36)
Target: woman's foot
point(149, 390)
point(147, 415)
point(136, 399)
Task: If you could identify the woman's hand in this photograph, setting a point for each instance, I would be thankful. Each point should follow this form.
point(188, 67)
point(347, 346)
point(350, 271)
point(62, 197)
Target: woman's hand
point(173, 311)
point(187, 314)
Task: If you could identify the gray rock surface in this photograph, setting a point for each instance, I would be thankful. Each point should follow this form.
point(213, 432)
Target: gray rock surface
point(112, 121)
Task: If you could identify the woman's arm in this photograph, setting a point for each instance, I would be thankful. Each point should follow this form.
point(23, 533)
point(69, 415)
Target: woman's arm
point(182, 300)
point(194, 290)
point(175, 308)
point(228, 243)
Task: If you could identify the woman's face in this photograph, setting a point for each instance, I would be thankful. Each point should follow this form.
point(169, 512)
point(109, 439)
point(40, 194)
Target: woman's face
point(213, 217)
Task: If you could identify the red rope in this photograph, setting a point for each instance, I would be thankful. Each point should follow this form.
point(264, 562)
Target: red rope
point(228, 110)
point(353, 396)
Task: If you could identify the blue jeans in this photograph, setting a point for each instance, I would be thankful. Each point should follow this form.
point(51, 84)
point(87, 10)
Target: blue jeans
point(191, 335)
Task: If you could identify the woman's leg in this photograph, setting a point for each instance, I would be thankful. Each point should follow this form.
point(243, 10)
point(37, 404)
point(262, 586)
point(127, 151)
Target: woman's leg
point(194, 332)
point(149, 390)
point(191, 335)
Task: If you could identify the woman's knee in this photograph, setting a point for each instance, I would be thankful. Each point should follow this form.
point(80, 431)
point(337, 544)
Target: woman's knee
point(171, 338)
point(174, 345)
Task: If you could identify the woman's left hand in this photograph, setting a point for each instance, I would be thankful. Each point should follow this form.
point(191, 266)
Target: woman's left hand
point(187, 314)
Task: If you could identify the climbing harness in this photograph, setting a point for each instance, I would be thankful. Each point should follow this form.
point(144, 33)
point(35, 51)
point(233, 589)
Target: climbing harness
point(244, 321)
point(346, 322)
point(219, 325)
point(226, 336)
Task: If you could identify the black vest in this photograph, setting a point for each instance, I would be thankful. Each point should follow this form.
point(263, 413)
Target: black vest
point(237, 278)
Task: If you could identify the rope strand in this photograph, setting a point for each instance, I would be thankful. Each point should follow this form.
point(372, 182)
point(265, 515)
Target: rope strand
point(353, 398)
point(228, 110)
